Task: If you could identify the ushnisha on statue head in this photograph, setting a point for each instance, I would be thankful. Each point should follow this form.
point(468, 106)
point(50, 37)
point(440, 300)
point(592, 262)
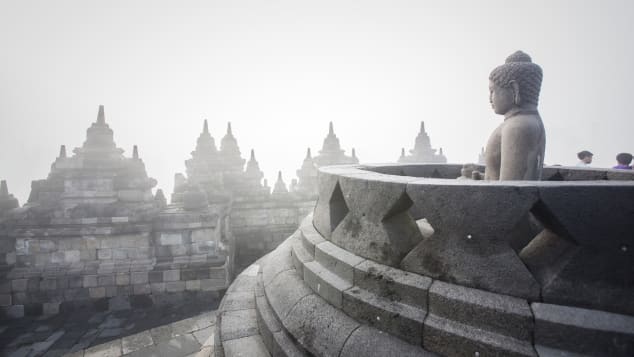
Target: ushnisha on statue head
point(515, 150)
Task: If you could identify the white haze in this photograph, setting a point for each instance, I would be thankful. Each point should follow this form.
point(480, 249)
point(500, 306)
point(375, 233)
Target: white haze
point(279, 71)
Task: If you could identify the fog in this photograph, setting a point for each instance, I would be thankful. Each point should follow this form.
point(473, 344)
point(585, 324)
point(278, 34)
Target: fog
point(279, 71)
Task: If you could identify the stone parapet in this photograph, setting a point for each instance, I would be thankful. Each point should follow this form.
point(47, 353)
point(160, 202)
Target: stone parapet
point(490, 270)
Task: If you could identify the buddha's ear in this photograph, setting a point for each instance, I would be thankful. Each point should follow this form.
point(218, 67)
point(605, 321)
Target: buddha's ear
point(516, 92)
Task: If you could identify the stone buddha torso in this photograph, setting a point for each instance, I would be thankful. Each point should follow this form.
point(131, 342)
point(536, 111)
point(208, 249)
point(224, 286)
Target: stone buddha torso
point(515, 150)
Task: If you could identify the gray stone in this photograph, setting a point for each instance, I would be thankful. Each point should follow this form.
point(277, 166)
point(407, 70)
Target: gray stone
point(108, 349)
point(504, 315)
point(395, 318)
point(449, 338)
point(238, 324)
point(393, 284)
point(587, 332)
point(238, 301)
point(283, 261)
point(161, 333)
point(171, 275)
point(319, 327)
point(325, 283)
point(178, 346)
point(366, 341)
point(515, 150)
point(285, 291)
point(337, 260)
point(462, 249)
point(251, 346)
point(205, 336)
point(139, 277)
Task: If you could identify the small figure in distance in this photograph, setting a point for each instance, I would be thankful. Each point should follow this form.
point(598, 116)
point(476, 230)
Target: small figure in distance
point(585, 158)
point(623, 161)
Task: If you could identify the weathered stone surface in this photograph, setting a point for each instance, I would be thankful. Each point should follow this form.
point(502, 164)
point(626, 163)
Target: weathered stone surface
point(366, 341)
point(504, 315)
point(136, 342)
point(325, 283)
point(604, 267)
point(378, 225)
point(587, 332)
point(337, 260)
point(319, 327)
point(238, 301)
point(393, 284)
point(238, 324)
point(465, 251)
point(246, 346)
point(395, 318)
point(450, 338)
point(285, 291)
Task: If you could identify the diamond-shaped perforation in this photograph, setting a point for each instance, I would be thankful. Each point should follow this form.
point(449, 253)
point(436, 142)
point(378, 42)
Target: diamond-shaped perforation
point(338, 207)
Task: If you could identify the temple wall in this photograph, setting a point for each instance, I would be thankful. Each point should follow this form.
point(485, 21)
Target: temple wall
point(93, 260)
point(259, 227)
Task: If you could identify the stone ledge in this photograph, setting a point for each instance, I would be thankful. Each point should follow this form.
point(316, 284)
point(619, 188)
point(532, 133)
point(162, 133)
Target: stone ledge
point(325, 283)
point(450, 338)
point(395, 318)
point(583, 331)
point(500, 314)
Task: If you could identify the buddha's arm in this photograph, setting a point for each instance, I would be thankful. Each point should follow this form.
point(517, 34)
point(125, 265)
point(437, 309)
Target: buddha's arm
point(518, 141)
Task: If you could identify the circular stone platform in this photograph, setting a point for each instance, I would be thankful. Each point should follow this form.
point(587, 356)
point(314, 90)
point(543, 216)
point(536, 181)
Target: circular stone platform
point(407, 261)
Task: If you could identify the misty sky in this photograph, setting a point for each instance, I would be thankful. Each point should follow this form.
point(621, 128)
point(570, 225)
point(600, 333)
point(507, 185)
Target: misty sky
point(281, 70)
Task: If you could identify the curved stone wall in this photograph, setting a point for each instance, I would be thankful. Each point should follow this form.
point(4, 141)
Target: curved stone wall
point(393, 265)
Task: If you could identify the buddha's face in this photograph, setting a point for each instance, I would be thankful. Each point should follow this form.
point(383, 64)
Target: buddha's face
point(501, 98)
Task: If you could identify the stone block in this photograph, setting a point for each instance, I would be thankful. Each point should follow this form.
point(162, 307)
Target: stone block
point(136, 342)
point(13, 311)
point(171, 275)
point(50, 308)
point(238, 324)
point(318, 326)
point(500, 314)
point(463, 249)
point(192, 285)
point(5, 299)
point(395, 318)
point(366, 341)
point(203, 235)
point(212, 284)
point(449, 338)
point(141, 289)
point(97, 292)
point(120, 254)
point(157, 288)
point(104, 254)
point(337, 260)
point(112, 291)
point(139, 277)
point(48, 284)
point(238, 301)
point(155, 276)
point(122, 279)
point(583, 331)
point(283, 261)
point(217, 273)
point(251, 346)
point(170, 239)
point(325, 283)
point(19, 285)
point(391, 283)
point(285, 291)
point(103, 280)
point(188, 274)
point(90, 281)
point(75, 281)
point(174, 286)
point(178, 250)
point(72, 256)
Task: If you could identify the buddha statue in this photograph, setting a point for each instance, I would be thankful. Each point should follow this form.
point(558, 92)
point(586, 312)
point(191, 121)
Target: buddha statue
point(515, 150)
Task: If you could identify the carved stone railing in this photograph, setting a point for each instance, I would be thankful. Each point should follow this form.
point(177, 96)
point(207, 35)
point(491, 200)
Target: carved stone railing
point(559, 241)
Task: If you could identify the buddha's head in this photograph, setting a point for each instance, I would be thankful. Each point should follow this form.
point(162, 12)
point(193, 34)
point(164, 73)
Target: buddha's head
point(515, 84)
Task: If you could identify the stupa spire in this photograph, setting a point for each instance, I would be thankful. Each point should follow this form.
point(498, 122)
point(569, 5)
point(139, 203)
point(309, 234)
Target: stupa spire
point(229, 132)
point(280, 186)
point(252, 155)
point(331, 130)
point(62, 152)
point(135, 152)
point(205, 127)
point(4, 190)
point(354, 153)
point(101, 117)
